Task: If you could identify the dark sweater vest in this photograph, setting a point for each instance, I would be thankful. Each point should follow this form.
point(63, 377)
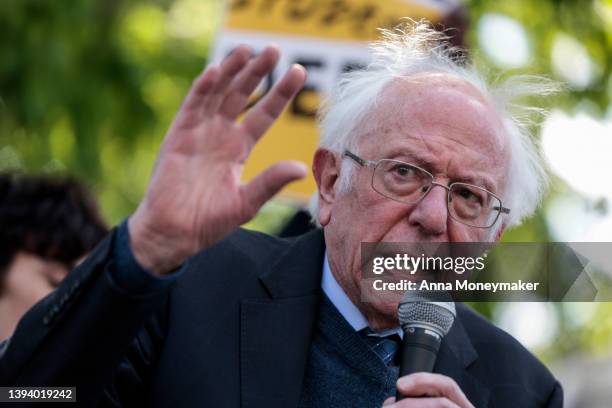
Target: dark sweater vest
point(342, 370)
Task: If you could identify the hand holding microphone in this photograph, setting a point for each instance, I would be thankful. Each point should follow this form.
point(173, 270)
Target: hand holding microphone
point(428, 390)
point(195, 196)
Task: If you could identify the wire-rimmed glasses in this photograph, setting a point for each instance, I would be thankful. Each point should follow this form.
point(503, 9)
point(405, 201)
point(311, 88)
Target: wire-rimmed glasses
point(407, 183)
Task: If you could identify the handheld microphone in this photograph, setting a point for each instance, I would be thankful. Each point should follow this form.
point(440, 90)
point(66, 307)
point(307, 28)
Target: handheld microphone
point(425, 320)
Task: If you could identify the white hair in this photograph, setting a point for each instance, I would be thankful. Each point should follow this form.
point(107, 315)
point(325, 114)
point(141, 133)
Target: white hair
point(415, 48)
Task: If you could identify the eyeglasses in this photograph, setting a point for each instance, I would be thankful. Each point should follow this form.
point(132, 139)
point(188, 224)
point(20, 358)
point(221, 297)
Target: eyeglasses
point(406, 183)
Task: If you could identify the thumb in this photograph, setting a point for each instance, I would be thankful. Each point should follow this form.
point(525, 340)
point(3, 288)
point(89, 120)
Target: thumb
point(271, 181)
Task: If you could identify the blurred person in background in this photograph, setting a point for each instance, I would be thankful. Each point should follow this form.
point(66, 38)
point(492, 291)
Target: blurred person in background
point(46, 226)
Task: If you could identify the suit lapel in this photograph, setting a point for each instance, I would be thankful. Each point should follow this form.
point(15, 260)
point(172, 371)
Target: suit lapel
point(456, 355)
point(276, 332)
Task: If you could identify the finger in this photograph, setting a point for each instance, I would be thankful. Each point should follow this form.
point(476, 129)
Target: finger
point(229, 68)
point(189, 112)
point(247, 80)
point(267, 184)
point(424, 403)
point(389, 401)
point(201, 88)
point(433, 385)
point(267, 110)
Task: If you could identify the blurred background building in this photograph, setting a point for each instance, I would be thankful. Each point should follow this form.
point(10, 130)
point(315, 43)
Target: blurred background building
point(89, 87)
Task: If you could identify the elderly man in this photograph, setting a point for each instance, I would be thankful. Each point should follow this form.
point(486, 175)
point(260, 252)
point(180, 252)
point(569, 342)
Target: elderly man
point(255, 321)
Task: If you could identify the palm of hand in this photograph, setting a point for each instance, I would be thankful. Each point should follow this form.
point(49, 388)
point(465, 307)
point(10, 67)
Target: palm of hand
point(195, 196)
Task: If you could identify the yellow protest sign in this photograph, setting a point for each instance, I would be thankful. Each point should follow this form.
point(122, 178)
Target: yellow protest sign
point(327, 37)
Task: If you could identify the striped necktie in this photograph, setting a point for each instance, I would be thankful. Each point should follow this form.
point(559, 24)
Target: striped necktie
point(386, 348)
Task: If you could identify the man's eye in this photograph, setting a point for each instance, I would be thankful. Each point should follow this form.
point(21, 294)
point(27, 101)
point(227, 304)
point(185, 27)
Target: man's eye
point(403, 171)
point(469, 195)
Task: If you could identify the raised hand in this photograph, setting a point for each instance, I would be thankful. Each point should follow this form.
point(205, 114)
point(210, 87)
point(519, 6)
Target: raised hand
point(195, 196)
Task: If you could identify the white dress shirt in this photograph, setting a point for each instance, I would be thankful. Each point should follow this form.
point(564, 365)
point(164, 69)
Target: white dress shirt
point(345, 306)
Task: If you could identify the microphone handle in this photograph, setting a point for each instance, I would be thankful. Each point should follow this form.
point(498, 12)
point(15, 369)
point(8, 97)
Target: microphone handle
point(419, 351)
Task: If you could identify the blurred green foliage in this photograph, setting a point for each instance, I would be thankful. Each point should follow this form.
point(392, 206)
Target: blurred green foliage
point(589, 22)
point(89, 87)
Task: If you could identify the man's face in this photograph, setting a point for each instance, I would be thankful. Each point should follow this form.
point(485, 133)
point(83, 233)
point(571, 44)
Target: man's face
point(437, 122)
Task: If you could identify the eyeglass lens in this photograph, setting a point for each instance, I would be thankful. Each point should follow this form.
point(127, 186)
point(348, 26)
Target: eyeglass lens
point(406, 183)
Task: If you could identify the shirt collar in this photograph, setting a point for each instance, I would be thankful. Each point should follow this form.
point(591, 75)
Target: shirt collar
point(345, 306)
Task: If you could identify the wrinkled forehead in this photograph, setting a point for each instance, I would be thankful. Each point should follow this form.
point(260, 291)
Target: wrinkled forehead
point(444, 103)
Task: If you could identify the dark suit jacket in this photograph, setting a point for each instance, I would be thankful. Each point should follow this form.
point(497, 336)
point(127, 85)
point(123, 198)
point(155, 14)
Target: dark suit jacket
point(233, 331)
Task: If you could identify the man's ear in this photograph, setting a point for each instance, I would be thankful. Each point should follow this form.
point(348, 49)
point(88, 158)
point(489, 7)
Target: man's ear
point(326, 168)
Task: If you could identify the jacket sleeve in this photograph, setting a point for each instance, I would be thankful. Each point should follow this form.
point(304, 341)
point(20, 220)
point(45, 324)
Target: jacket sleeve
point(84, 334)
point(131, 380)
point(556, 397)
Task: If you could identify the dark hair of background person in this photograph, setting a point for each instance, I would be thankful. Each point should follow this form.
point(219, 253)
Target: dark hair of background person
point(53, 218)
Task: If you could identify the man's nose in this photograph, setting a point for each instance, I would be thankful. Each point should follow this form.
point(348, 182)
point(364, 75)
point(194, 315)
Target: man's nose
point(431, 213)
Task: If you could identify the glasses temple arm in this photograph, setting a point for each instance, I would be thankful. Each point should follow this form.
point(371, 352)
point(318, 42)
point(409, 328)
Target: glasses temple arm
point(502, 209)
point(356, 158)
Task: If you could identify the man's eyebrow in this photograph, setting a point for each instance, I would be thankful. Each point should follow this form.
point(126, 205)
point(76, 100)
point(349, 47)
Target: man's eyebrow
point(412, 158)
point(477, 180)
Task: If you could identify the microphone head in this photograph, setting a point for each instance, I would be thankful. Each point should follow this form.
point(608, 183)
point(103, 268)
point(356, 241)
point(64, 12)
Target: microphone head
point(432, 310)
